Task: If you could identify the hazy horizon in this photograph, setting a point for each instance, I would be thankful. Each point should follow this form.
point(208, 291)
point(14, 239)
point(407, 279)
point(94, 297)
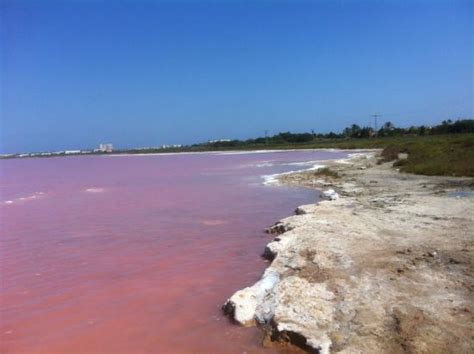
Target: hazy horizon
point(370, 124)
point(148, 73)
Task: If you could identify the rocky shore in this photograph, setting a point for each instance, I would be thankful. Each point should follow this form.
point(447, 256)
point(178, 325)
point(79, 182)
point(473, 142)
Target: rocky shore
point(383, 265)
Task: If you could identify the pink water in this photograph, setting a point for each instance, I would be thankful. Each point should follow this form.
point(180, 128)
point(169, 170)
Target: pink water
point(136, 253)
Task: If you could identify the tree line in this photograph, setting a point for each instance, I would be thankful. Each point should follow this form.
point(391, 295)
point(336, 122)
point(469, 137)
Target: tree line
point(354, 131)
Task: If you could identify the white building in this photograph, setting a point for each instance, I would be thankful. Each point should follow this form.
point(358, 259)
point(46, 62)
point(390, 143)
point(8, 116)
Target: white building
point(106, 147)
point(219, 141)
point(170, 146)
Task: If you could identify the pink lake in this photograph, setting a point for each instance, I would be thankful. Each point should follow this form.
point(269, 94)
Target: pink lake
point(136, 254)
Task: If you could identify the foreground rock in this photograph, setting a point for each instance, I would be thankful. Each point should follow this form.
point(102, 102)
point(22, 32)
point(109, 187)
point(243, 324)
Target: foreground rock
point(385, 268)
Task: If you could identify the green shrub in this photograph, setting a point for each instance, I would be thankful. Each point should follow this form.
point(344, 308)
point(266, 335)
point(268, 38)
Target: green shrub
point(326, 172)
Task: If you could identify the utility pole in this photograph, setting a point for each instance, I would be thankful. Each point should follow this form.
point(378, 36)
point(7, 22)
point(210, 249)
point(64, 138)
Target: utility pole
point(375, 122)
point(266, 136)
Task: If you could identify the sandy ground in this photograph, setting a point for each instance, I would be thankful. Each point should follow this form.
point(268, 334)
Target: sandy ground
point(385, 268)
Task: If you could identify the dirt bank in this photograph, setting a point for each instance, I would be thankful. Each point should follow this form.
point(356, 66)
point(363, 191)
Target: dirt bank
point(384, 267)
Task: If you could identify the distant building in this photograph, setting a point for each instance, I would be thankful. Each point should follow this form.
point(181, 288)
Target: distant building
point(106, 147)
point(170, 146)
point(219, 141)
point(69, 152)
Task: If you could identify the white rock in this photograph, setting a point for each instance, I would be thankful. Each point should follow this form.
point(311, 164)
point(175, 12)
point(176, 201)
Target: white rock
point(331, 194)
point(243, 304)
point(306, 309)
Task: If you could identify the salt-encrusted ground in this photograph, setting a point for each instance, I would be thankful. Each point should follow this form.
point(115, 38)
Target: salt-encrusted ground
point(384, 268)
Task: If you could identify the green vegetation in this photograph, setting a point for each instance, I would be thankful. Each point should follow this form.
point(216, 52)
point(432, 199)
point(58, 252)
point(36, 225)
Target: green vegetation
point(446, 149)
point(448, 155)
point(326, 172)
point(352, 137)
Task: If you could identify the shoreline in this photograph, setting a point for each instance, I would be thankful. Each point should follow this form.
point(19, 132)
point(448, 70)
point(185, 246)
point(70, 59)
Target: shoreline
point(171, 153)
point(276, 178)
point(232, 152)
point(385, 266)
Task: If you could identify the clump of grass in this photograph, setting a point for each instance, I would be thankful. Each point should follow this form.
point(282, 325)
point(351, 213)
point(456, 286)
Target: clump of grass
point(326, 172)
point(390, 153)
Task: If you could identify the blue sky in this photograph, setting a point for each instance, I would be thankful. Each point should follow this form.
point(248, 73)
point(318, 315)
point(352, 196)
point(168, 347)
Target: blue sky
point(145, 73)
